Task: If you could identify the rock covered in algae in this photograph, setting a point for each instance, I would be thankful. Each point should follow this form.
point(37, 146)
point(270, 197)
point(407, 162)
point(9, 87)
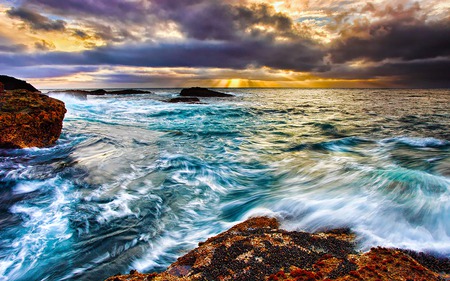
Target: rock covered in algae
point(258, 250)
point(29, 119)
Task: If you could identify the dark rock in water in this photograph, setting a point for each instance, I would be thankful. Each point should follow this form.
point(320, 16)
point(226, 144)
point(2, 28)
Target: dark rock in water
point(29, 119)
point(128, 92)
point(185, 100)
point(258, 250)
point(11, 83)
point(101, 92)
point(98, 92)
point(202, 92)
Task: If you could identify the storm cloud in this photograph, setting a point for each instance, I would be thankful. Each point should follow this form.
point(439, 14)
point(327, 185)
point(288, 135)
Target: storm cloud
point(36, 21)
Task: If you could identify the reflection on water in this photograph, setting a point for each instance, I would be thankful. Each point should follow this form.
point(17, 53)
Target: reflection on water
point(135, 182)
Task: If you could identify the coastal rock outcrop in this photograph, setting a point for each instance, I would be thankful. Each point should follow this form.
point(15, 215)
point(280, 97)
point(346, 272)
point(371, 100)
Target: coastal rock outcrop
point(258, 250)
point(11, 83)
point(202, 92)
point(184, 100)
point(29, 119)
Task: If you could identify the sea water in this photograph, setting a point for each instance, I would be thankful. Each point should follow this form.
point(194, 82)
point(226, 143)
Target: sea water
point(135, 182)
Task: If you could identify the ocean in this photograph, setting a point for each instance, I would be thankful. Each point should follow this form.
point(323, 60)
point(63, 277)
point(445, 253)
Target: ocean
point(135, 182)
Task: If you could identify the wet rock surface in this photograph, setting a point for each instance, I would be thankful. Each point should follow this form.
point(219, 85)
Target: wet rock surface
point(258, 250)
point(202, 92)
point(29, 119)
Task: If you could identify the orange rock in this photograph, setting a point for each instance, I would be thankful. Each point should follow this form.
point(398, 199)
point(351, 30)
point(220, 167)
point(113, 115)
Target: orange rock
point(258, 250)
point(29, 119)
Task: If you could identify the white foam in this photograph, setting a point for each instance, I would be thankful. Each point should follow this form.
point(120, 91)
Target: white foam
point(44, 227)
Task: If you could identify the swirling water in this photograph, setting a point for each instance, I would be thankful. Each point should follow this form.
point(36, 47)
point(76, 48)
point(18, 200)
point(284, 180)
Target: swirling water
point(135, 182)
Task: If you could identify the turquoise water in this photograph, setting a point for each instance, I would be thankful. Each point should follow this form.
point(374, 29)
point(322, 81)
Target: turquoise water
point(134, 182)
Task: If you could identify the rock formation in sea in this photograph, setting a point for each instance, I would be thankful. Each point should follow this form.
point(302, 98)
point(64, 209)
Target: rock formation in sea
point(258, 249)
point(100, 92)
point(11, 83)
point(29, 119)
point(184, 100)
point(202, 92)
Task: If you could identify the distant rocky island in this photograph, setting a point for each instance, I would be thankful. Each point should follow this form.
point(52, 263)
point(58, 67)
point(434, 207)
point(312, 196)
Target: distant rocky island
point(99, 92)
point(202, 92)
point(27, 117)
point(258, 249)
point(191, 95)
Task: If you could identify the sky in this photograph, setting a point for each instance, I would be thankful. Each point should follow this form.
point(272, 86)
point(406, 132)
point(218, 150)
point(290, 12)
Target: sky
point(226, 43)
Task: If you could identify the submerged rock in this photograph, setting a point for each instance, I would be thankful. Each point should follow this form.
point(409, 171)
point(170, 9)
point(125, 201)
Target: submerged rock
point(258, 250)
point(202, 92)
point(11, 83)
point(29, 119)
point(185, 100)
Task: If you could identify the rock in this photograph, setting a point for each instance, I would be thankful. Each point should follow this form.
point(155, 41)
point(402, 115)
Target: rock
point(185, 100)
point(100, 92)
point(128, 92)
point(2, 88)
point(202, 92)
point(258, 250)
point(29, 119)
point(11, 83)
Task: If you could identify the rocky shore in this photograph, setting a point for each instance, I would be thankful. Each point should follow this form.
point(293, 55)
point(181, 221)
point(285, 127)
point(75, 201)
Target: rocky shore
point(258, 249)
point(11, 83)
point(27, 117)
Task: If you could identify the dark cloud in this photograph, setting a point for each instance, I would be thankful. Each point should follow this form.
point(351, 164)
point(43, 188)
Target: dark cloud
point(395, 40)
point(190, 54)
point(81, 34)
point(37, 71)
point(427, 73)
point(198, 19)
point(36, 21)
point(218, 20)
point(44, 45)
point(392, 32)
point(111, 34)
point(119, 10)
point(14, 48)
